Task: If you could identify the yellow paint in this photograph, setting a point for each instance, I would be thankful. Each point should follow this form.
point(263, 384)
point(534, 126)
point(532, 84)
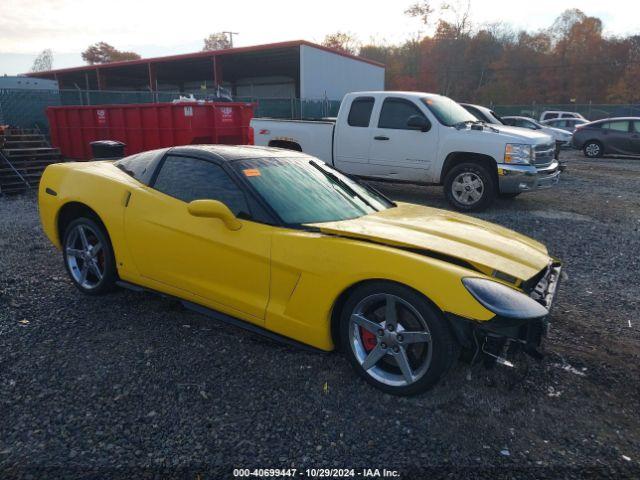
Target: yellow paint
point(283, 279)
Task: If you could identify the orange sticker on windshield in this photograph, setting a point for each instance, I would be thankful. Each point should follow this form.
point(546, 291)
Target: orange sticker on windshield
point(251, 172)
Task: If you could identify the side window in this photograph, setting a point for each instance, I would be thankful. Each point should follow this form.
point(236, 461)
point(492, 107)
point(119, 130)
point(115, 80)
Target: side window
point(396, 112)
point(360, 112)
point(547, 116)
point(636, 127)
point(189, 179)
point(473, 111)
point(137, 165)
point(618, 126)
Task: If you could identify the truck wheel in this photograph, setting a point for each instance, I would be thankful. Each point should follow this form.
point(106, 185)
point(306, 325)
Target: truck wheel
point(470, 187)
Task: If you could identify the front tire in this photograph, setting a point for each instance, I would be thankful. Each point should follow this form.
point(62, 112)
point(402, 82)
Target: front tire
point(593, 149)
point(88, 256)
point(395, 339)
point(470, 187)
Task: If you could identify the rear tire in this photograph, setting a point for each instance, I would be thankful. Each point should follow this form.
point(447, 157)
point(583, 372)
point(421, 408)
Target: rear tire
point(88, 256)
point(401, 353)
point(508, 196)
point(470, 187)
point(593, 149)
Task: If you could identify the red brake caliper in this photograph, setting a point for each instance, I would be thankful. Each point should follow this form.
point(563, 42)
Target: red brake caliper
point(368, 339)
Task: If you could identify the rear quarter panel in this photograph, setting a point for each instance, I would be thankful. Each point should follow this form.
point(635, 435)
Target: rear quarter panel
point(99, 185)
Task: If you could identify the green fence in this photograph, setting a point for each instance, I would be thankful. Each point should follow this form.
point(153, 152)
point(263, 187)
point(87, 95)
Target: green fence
point(26, 108)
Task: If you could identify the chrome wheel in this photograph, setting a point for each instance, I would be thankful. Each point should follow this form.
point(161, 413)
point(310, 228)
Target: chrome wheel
point(390, 340)
point(592, 150)
point(467, 188)
point(85, 256)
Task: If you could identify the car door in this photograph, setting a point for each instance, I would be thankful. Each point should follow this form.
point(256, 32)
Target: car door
point(228, 269)
point(353, 137)
point(399, 152)
point(616, 136)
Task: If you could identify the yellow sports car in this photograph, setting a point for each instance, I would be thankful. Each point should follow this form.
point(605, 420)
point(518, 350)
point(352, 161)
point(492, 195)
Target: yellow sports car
point(285, 245)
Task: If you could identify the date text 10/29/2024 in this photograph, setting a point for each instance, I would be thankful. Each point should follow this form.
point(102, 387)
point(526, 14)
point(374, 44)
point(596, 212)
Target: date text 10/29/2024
point(315, 473)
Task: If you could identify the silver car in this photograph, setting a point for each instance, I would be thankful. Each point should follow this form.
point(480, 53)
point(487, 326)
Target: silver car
point(562, 137)
point(568, 124)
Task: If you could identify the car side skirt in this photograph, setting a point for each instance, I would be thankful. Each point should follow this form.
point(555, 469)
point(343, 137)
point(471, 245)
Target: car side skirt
point(223, 317)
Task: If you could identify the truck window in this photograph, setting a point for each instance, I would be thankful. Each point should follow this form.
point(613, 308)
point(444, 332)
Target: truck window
point(360, 112)
point(396, 112)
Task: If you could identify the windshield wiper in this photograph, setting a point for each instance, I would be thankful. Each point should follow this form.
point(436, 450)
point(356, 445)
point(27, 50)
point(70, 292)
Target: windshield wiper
point(343, 184)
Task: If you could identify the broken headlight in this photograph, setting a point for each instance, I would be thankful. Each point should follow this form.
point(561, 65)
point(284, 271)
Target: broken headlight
point(502, 300)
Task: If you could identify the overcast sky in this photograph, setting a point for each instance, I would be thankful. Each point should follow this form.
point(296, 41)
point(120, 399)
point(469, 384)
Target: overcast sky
point(160, 28)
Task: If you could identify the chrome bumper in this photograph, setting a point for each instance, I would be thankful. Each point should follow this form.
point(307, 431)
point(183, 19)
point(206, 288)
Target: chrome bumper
point(524, 178)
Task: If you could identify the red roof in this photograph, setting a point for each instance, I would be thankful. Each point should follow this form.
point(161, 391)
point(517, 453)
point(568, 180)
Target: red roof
point(205, 54)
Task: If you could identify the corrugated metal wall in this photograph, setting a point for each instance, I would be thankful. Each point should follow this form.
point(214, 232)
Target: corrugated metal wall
point(326, 74)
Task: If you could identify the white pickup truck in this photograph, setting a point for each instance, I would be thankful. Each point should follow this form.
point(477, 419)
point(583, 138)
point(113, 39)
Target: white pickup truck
point(421, 138)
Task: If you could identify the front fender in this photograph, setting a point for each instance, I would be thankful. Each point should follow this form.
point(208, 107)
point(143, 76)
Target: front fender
point(311, 270)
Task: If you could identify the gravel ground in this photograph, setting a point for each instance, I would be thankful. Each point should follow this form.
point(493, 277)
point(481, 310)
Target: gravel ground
point(132, 385)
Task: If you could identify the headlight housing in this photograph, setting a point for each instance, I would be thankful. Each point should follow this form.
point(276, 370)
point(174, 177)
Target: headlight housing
point(502, 300)
point(518, 153)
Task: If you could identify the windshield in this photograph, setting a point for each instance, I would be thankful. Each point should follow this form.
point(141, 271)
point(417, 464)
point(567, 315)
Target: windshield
point(302, 190)
point(447, 111)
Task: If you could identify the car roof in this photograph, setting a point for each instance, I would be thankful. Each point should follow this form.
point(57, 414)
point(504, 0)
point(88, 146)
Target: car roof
point(568, 119)
point(229, 153)
point(612, 119)
point(519, 116)
point(479, 107)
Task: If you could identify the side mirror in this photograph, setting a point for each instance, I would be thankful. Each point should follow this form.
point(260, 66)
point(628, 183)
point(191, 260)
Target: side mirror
point(418, 122)
point(214, 209)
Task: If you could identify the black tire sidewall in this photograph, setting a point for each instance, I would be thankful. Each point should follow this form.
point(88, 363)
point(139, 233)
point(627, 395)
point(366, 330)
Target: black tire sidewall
point(445, 347)
point(490, 188)
point(508, 196)
point(600, 152)
point(110, 274)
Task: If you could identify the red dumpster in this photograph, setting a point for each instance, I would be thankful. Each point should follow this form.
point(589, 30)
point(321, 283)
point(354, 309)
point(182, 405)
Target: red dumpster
point(148, 126)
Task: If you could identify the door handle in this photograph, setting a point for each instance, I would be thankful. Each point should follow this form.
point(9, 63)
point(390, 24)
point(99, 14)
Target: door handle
point(381, 137)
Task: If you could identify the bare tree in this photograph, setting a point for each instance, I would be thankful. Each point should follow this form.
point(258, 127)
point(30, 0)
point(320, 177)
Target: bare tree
point(43, 62)
point(345, 42)
point(422, 10)
point(216, 41)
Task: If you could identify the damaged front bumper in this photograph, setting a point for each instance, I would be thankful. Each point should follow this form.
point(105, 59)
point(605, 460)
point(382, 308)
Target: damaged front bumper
point(501, 334)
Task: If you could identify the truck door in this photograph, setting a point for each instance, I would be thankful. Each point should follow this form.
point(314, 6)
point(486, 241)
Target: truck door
point(353, 137)
point(399, 151)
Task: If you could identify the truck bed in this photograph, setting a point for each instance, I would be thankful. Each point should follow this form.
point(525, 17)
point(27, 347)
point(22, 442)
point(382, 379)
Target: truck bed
point(314, 137)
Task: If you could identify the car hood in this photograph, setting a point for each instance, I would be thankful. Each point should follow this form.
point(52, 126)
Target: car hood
point(522, 135)
point(556, 131)
point(486, 246)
